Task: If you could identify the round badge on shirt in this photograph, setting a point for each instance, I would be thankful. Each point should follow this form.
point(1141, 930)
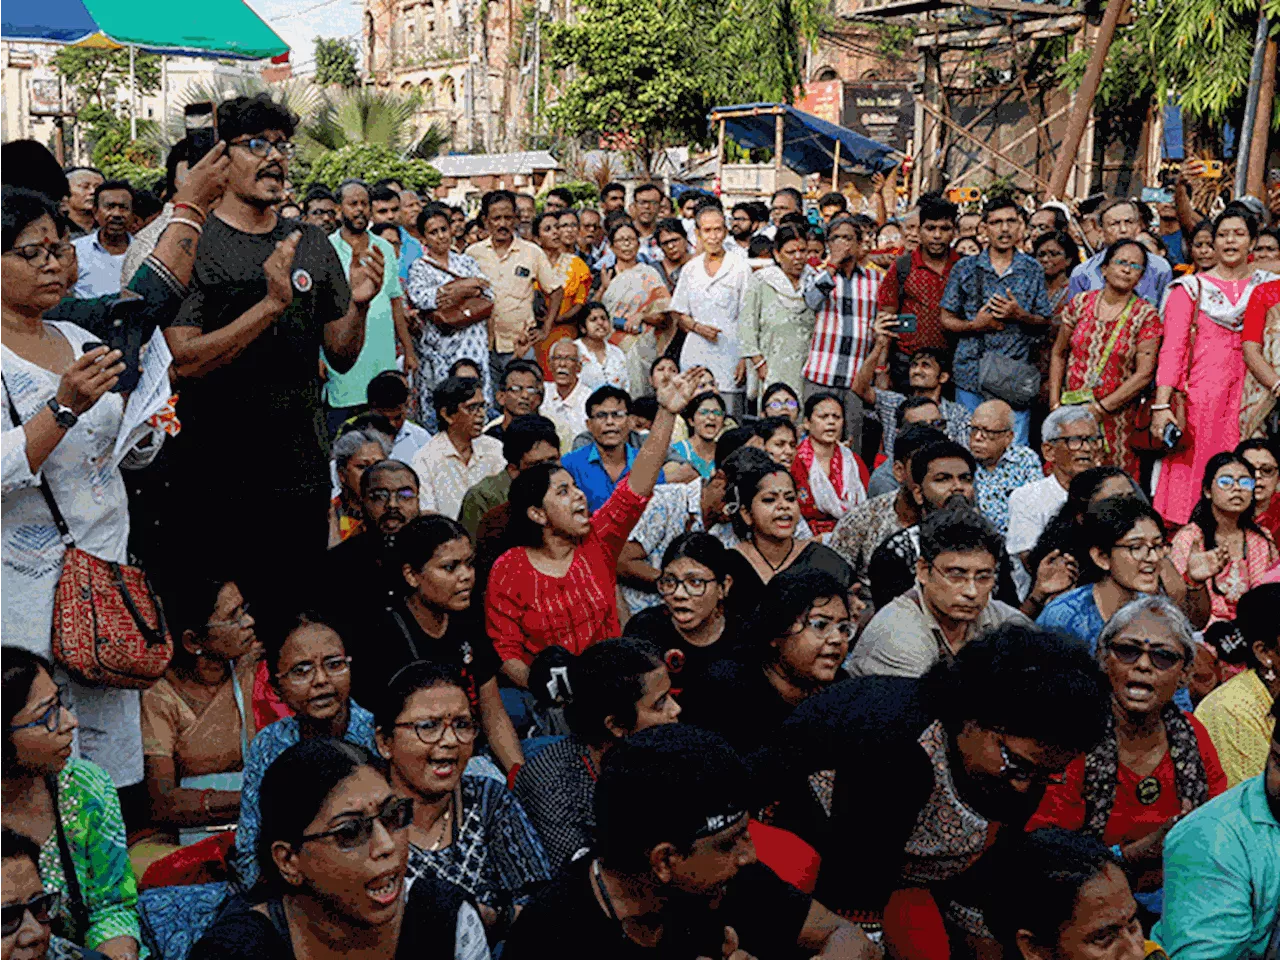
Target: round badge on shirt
point(302, 281)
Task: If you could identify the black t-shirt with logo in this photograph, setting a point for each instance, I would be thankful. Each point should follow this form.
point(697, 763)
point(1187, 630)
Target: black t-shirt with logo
point(258, 419)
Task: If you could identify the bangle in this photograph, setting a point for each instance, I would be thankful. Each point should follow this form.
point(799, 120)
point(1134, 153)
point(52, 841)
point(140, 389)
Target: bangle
point(758, 364)
point(882, 369)
point(188, 223)
point(1161, 406)
point(192, 207)
point(1118, 852)
point(204, 802)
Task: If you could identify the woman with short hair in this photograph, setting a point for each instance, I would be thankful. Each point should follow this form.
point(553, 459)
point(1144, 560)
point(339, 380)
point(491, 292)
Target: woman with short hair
point(353, 452)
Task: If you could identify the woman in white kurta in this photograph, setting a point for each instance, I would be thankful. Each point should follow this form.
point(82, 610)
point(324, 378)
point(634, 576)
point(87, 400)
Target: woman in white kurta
point(44, 360)
point(708, 299)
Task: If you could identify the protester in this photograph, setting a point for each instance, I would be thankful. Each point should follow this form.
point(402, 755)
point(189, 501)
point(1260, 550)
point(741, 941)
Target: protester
point(311, 671)
point(705, 418)
point(648, 205)
point(71, 805)
point(635, 295)
point(1003, 466)
point(100, 254)
point(565, 404)
point(615, 688)
point(519, 393)
point(1237, 713)
point(776, 323)
point(1121, 219)
point(572, 276)
point(599, 467)
point(82, 186)
point(996, 302)
point(675, 252)
point(780, 400)
point(29, 909)
point(530, 440)
point(743, 225)
point(558, 588)
point(830, 478)
point(354, 452)
point(468, 831)
point(460, 456)
point(388, 396)
point(1106, 352)
point(443, 279)
point(334, 851)
point(602, 362)
point(1222, 533)
point(1261, 336)
point(950, 604)
point(780, 437)
point(320, 209)
point(1207, 369)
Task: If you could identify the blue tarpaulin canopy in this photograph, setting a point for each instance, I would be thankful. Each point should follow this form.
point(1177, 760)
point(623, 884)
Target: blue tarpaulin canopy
point(808, 142)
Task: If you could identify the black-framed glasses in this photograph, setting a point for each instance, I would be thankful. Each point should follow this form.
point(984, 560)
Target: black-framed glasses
point(787, 404)
point(983, 433)
point(1078, 443)
point(825, 627)
point(301, 674)
point(1226, 483)
point(382, 496)
point(1130, 653)
point(1017, 770)
point(396, 815)
point(693, 586)
point(1140, 550)
point(51, 719)
point(43, 907)
point(31, 252)
point(1267, 470)
point(262, 147)
point(431, 730)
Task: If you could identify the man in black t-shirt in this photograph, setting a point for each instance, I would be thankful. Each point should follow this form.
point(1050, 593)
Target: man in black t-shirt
point(674, 872)
point(267, 295)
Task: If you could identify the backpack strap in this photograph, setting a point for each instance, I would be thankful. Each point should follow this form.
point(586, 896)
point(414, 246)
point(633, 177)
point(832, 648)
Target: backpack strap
point(904, 271)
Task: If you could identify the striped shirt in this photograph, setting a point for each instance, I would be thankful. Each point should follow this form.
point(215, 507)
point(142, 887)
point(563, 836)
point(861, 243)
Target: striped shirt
point(842, 336)
point(527, 611)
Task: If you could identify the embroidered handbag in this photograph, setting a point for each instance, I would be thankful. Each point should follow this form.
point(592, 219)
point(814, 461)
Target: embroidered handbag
point(108, 626)
point(473, 309)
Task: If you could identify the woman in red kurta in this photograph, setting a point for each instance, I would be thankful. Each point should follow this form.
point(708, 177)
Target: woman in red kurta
point(1155, 763)
point(830, 478)
point(560, 588)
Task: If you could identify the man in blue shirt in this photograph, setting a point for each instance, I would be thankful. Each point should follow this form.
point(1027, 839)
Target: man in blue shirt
point(997, 303)
point(1121, 220)
point(597, 467)
point(100, 254)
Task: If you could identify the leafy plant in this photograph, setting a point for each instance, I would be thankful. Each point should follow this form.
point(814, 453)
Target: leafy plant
point(364, 115)
point(94, 74)
point(336, 62)
point(370, 161)
point(140, 177)
point(584, 191)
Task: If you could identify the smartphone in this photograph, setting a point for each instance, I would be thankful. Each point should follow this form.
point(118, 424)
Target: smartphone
point(1171, 435)
point(906, 323)
point(125, 331)
point(1156, 195)
point(201, 122)
point(619, 323)
point(1212, 170)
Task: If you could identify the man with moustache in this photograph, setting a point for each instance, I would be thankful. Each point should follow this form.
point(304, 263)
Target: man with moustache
point(101, 254)
point(82, 183)
point(320, 209)
point(1121, 220)
point(742, 227)
point(267, 297)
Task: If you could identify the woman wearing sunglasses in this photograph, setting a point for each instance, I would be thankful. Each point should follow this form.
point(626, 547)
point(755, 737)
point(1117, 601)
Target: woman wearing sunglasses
point(27, 910)
point(69, 807)
point(798, 640)
point(1221, 545)
point(334, 851)
point(311, 672)
point(1154, 764)
point(467, 830)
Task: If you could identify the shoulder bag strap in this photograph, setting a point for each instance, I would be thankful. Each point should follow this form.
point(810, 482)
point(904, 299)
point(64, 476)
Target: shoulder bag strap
point(79, 912)
point(244, 726)
point(904, 271)
point(408, 637)
point(442, 269)
point(1122, 321)
point(58, 520)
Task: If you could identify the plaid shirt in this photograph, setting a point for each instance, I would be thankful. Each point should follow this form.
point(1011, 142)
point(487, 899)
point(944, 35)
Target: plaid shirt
point(842, 335)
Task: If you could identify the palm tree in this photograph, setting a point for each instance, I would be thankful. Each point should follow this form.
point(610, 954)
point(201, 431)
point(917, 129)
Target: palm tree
point(431, 143)
point(360, 115)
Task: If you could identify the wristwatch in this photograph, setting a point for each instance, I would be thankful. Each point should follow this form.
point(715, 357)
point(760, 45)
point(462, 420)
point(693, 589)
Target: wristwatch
point(65, 416)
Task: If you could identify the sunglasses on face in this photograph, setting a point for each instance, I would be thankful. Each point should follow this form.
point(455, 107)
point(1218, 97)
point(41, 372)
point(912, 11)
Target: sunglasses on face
point(42, 907)
point(1226, 483)
point(396, 815)
point(51, 719)
point(1130, 653)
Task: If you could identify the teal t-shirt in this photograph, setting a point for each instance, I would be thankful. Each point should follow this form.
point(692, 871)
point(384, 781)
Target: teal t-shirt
point(379, 351)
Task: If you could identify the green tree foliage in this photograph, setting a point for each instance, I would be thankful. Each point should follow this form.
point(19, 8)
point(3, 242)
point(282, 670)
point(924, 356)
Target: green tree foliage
point(652, 69)
point(139, 177)
point(336, 62)
point(370, 162)
point(93, 74)
point(359, 116)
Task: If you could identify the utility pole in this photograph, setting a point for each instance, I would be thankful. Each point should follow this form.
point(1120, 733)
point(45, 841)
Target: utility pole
point(1251, 106)
point(133, 95)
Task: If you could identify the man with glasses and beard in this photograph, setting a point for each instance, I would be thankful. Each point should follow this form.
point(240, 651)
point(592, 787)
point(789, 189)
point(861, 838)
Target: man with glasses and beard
point(267, 296)
point(742, 227)
point(904, 785)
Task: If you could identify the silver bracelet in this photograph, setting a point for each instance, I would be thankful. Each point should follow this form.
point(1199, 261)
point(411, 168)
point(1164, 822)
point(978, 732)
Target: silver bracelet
point(1161, 406)
point(188, 223)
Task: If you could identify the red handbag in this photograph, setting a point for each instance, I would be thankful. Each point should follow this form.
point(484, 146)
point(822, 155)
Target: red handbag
point(108, 626)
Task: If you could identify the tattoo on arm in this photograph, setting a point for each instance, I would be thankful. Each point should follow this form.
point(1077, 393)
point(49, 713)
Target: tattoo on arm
point(188, 246)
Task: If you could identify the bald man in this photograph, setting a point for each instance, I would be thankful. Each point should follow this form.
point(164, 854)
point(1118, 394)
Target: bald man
point(1003, 465)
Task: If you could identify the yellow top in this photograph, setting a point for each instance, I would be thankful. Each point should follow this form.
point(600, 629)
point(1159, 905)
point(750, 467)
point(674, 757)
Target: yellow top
point(1237, 716)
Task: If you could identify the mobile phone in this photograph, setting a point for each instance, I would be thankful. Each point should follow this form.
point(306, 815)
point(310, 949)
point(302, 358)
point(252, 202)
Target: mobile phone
point(1212, 170)
point(201, 122)
point(619, 323)
point(906, 323)
point(1156, 195)
point(1171, 435)
point(125, 331)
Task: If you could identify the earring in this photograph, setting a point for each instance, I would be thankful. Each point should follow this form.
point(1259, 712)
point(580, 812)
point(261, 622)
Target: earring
point(1270, 675)
point(199, 651)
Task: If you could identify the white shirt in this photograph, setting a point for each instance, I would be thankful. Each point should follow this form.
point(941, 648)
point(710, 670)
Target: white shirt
point(1031, 507)
point(613, 371)
point(443, 479)
point(409, 440)
point(714, 301)
point(569, 415)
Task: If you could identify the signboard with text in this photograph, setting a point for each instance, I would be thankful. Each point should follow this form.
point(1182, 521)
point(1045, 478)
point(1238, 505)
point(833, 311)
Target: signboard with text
point(883, 111)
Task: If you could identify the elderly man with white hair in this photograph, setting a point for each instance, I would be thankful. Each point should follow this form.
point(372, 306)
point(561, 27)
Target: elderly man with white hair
point(1071, 442)
point(1003, 466)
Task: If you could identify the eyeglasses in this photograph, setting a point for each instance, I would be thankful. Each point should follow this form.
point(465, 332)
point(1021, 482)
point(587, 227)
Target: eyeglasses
point(958, 578)
point(432, 729)
point(693, 586)
point(1130, 653)
point(531, 391)
point(396, 815)
point(939, 424)
point(609, 416)
point(383, 496)
point(1267, 470)
point(42, 907)
point(1128, 264)
point(300, 674)
point(984, 433)
point(31, 252)
point(825, 627)
point(1078, 443)
point(1226, 483)
point(51, 719)
point(714, 412)
point(241, 619)
point(1144, 551)
point(262, 147)
point(782, 405)
point(476, 409)
point(1017, 770)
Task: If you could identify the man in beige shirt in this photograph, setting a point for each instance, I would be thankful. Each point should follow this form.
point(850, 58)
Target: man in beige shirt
point(512, 264)
point(950, 604)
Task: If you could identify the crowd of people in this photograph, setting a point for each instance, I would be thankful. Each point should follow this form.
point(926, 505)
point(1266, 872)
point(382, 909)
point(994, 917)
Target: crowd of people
point(641, 578)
